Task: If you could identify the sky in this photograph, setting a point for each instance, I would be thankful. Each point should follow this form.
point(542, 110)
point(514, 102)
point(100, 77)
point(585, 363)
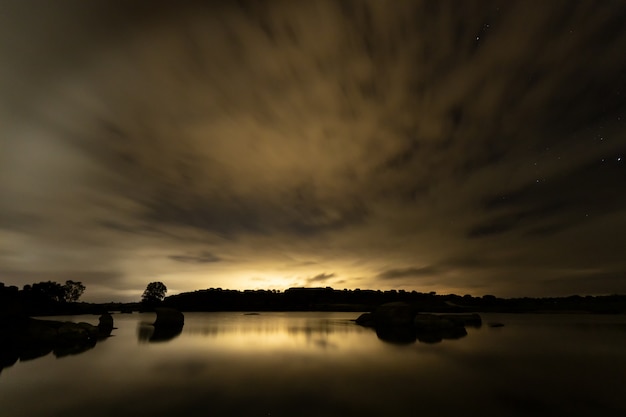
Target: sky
point(451, 146)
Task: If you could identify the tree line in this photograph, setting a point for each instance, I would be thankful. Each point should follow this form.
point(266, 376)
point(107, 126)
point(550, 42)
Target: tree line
point(70, 292)
point(50, 297)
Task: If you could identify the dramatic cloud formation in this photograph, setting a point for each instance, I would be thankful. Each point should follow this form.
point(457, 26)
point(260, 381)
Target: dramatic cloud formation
point(468, 147)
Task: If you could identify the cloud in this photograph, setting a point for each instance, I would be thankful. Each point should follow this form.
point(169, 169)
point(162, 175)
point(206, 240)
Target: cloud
point(351, 135)
point(558, 201)
point(426, 271)
point(201, 258)
point(319, 278)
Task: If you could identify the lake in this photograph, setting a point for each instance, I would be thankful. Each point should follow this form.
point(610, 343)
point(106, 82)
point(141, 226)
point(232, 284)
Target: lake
point(322, 364)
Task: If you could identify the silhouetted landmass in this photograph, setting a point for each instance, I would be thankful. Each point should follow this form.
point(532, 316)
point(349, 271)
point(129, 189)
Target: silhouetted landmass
point(46, 299)
point(328, 299)
point(31, 303)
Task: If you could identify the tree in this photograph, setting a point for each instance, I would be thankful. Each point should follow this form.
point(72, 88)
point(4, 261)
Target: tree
point(154, 293)
point(49, 290)
point(73, 290)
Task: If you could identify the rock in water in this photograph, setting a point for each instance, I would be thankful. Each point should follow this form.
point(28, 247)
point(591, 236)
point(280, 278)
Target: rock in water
point(366, 319)
point(473, 319)
point(388, 315)
point(400, 323)
point(105, 325)
point(169, 317)
point(432, 322)
point(77, 333)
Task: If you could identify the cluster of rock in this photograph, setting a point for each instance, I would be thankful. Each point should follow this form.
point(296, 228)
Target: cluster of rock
point(27, 338)
point(400, 322)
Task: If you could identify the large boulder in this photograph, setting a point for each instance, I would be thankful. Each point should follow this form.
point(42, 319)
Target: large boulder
point(105, 325)
point(395, 314)
point(473, 319)
point(432, 322)
point(169, 317)
point(169, 324)
point(399, 322)
point(366, 319)
point(77, 332)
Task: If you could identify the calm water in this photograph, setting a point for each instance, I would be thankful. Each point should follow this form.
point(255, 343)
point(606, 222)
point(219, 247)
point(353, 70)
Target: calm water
point(321, 364)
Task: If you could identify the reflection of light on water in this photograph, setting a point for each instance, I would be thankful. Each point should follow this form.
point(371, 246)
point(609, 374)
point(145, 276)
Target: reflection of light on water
point(273, 332)
point(230, 364)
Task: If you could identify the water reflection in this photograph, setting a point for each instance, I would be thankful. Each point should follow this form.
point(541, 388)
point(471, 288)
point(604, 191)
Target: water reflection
point(314, 364)
point(409, 335)
point(147, 332)
point(276, 333)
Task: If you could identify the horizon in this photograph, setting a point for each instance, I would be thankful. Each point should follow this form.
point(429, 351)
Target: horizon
point(284, 290)
point(450, 147)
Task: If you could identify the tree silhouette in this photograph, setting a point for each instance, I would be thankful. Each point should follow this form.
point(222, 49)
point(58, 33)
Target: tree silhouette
point(73, 290)
point(154, 293)
point(49, 290)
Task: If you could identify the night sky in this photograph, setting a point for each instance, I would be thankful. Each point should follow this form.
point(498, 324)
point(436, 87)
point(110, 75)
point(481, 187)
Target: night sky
point(451, 146)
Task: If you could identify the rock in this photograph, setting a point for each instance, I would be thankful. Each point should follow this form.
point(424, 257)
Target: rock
point(169, 324)
point(169, 317)
point(40, 331)
point(432, 322)
point(9, 354)
point(473, 319)
point(399, 323)
point(393, 314)
point(397, 335)
point(366, 319)
point(27, 338)
point(77, 333)
point(105, 325)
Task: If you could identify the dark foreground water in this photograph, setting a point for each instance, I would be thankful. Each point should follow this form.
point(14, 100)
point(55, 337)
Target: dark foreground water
point(321, 364)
